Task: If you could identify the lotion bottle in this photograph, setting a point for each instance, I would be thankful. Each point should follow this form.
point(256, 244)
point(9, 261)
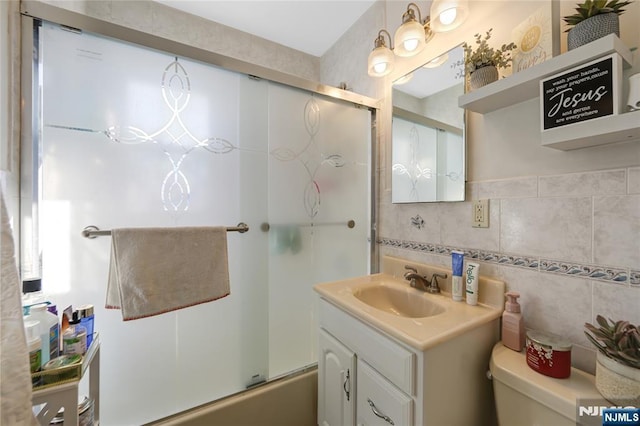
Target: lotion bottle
point(513, 332)
point(49, 331)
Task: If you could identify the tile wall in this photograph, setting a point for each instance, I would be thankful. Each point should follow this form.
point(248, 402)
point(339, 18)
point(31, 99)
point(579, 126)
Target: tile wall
point(569, 243)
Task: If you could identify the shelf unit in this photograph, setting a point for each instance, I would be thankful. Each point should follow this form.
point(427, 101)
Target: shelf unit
point(65, 395)
point(599, 131)
point(525, 85)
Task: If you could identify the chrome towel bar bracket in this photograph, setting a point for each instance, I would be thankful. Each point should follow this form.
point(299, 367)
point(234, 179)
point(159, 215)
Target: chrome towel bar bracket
point(93, 231)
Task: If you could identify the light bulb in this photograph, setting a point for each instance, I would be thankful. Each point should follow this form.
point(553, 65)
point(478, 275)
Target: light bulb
point(380, 61)
point(410, 45)
point(409, 39)
point(448, 16)
point(380, 67)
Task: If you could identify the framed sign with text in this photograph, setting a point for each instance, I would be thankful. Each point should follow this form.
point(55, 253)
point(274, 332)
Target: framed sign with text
point(538, 37)
point(583, 93)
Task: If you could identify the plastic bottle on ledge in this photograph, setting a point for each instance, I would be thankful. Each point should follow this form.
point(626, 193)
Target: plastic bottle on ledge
point(32, 294)
point(74, 339)
point(86, 315)
point(513, 331)
point(34, 344)
point(49, 331)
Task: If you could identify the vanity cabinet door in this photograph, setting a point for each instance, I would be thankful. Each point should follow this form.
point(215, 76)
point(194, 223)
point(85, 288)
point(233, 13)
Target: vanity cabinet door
point(336, 382)
point(380, 403)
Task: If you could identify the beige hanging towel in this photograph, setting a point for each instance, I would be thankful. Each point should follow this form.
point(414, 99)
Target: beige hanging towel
point(158, 270)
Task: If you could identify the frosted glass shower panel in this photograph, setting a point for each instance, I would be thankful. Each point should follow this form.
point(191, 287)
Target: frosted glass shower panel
point(156, 144)
point(318, 181)
point(133, 137)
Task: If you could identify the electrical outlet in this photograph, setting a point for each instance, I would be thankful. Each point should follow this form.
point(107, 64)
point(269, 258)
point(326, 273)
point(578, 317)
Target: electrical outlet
point(480, 218)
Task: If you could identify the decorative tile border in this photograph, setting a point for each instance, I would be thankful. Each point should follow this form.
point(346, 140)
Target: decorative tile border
point(593, 272)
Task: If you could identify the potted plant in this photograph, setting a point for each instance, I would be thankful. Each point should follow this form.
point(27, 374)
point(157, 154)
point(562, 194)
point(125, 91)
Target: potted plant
point(482, 63)
point(595, 19)
point(618, 360)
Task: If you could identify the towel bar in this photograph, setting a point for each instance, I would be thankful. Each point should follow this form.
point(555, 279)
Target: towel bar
point(92, 231)
point(350, 224)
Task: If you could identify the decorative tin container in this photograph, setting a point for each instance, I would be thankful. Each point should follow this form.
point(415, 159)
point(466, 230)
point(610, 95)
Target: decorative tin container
point(549, 355)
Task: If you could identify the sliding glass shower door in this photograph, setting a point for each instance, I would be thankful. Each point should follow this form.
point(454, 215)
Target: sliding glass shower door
point(132, 137)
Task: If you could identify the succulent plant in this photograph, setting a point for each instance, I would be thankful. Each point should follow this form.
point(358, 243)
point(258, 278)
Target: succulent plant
point(595, 7)
point(619, 340)
point(483, 55)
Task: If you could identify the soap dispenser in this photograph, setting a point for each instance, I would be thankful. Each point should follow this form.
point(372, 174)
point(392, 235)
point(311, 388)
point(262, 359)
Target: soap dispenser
point(513, 332)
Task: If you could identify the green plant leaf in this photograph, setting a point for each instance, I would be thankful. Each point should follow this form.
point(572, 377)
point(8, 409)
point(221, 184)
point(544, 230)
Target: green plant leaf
point(598, 332)
point(590, 8)
point(624, 342)
point(595, 343)
point(630, 358)
point(620, 326)
point(619, 340)
point(603, 322)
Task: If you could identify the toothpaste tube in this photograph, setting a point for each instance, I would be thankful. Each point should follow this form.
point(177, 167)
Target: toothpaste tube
point(471, 282)
point(457, 260)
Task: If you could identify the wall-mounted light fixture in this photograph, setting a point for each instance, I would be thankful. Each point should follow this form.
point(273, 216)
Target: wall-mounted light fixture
point(412, 36)
point(447, 15)
point(414, 33)
point(381, 57)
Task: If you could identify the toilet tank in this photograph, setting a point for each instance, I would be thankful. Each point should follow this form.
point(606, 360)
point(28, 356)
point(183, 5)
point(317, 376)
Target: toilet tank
point(525, 397)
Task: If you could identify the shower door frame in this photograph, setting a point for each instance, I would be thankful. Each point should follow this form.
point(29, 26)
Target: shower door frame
point(33, 11)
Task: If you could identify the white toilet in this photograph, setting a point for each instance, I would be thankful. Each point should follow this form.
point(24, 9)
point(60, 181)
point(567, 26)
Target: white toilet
point(526, 397)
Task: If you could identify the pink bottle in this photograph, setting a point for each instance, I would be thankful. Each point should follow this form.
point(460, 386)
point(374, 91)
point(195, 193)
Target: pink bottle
point(513, 332)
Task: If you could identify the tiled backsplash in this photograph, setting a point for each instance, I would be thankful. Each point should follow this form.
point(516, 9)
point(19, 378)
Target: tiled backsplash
point(570, 244)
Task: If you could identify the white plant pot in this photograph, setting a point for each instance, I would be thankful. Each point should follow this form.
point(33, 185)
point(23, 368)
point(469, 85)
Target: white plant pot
point(483, 76)
point(618, 383)
point(592, 29)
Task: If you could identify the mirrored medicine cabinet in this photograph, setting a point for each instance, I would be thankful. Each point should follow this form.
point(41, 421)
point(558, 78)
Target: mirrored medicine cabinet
point(428, 133)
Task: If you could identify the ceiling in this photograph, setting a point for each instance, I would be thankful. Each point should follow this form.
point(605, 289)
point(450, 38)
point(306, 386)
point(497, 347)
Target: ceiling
point(310, 26)
point(426, 81)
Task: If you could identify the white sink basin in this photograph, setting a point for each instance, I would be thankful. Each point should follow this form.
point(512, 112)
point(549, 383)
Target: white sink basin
point(397, 301)
point(421, 320)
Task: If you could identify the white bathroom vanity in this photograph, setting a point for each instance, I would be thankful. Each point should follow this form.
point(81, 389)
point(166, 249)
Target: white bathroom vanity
point(390, 354)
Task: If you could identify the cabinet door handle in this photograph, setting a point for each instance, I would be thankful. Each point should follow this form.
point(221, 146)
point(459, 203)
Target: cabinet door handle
point(378, 413)
point(347, 382)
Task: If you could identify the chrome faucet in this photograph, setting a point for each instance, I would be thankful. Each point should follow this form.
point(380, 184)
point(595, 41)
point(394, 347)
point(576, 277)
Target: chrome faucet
point(422, 282)
point(416, 280)
point(433, 284)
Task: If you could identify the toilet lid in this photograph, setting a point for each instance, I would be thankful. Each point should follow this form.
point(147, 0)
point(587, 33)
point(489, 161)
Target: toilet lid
point(560, 395)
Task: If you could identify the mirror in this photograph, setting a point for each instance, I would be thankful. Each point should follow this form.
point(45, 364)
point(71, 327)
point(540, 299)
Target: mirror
point(428, 133)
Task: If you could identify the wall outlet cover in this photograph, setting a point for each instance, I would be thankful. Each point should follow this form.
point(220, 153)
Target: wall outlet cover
point(480, 214)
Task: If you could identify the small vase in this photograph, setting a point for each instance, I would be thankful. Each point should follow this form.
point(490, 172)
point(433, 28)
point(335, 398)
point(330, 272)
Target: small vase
point(483, 76)
point(618, 383)
point(592, 29)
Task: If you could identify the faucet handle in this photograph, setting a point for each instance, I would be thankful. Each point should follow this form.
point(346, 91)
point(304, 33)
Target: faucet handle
point(411, 269)
point(434, 279)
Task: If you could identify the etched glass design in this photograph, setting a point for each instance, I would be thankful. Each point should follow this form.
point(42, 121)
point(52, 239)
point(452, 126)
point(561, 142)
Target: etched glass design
point(414, 160)
point(309, 158)
point(175, 142)
point(425, 162)
point(176, 93)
